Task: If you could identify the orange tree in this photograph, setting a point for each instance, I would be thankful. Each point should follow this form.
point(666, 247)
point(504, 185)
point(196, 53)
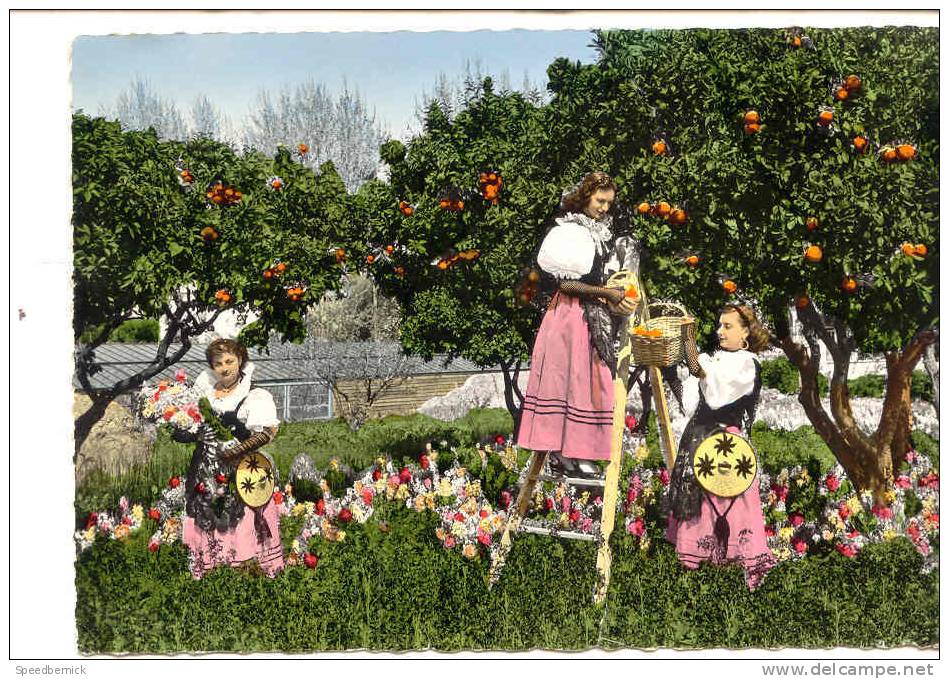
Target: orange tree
point(450, 232)
point(807, 174)
point(185, 231)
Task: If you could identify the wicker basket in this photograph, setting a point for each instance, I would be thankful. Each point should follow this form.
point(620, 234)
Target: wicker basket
point(672, 320)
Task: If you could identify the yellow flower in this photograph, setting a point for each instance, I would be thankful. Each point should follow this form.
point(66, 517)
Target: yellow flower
point(444, 488)
point(340, 536)
point(138, 513)
point(381, 461)
point(458, 529)
point(90, 534)
point(334, 463)
point(889, 534)
point(584, 498)
point(786, 533)
point(121, 532)
point(357, 486)
point(487, 507)
point(889, 497)
point(461, 472)
point(929, 505)
point(473, 488)
point(430, 501)
point(402, 493)
point(642, 452)
point(324, 486)
point(470, 551)
point(470, 506)
point(784, 553)
point(827, 534)
point(295, 546)
point(380, 485)
point(419, 503)
point(440, 533)
point(485, 525)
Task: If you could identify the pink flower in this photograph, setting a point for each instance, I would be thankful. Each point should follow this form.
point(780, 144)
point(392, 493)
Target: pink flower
point(548, 503)
point(847, 550)
point(393, 480)
point(882, 512)
point(405, 475)
point(843, 511)
point(565, 504)
point(903, 482)
point(931, 480)
point(911, 456)
point(484, 538)
point(631, 422)
point(799, 545)
point(796, 519)
point(586, 524)
point(637, 527)
point(664, 476)
point(449, 542)
point(423, 461)
point(427, 482)
point(367, 495)
point(913, 530)
point(923, 547)
point(505, 499)
point(832, 482)
point(180, 375)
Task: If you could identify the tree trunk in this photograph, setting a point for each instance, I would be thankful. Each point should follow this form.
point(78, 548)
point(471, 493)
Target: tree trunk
point(511, 373)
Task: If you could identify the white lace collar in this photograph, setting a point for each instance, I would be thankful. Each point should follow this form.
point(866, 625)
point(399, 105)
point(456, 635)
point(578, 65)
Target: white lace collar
point(206, 381)
point(599, 229)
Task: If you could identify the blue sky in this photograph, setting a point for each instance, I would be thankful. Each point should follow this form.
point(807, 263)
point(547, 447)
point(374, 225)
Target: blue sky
point(389, 70)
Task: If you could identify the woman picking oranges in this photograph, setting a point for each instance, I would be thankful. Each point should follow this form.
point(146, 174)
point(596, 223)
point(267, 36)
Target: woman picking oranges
point(568, 405)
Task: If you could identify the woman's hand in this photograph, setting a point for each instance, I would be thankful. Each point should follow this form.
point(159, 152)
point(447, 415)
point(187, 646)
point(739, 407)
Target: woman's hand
point(692, 352)
point(618, 303)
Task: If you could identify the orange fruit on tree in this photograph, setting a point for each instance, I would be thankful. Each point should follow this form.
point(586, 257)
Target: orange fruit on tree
point(460, 205)
point(825, 117)
point(888, 154)
point(443, 203)
point(370, 259)
point(340, 255)
point(533, 276)
point(752, 128)
point(692, 260)
point(209, 233)
point(729, 286)
point(841, 94)
point(860, 143)
point(852, 82)
point(906, 151)
point(268, 274)
point(813, 254)
point(908, 249)
point(280, 267)
point(659, 147)
point(921, 250)
point(796, 41)
point(390, 249)
point(802, 301)
point(643, 208)
point(677, 216)
point(751, 117)
point(811, 223)
point(663, 209)
point(848, 285)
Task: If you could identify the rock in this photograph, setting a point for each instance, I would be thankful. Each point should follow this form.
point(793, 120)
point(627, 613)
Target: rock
point(115, 444)
point(478, 391)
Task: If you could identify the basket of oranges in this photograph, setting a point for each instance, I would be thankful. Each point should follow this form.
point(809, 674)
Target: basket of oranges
point(659, 340)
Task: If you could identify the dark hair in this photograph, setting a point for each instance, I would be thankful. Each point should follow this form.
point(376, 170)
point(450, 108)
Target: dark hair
point(591, 183)
point(226, 346)
point(758, 336)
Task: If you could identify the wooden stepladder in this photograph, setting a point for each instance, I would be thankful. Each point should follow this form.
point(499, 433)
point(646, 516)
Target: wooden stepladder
point(538, 460)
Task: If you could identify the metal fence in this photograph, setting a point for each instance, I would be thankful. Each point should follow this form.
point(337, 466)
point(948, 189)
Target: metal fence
point(301, 401)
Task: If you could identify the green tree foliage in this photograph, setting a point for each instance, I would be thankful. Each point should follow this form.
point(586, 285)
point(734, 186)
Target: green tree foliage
point(151, 242)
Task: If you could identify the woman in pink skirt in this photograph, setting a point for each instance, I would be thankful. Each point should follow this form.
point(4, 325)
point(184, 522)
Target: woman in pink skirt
point(568, 405)
point(218, 527)
point(703, 526)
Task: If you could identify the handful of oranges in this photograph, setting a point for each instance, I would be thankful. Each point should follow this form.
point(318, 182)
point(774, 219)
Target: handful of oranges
point(643, 331)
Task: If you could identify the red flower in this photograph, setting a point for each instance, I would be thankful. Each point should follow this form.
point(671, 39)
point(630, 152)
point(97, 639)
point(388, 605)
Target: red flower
point(483, 513)
point(423, 461)
point(277, 497)
point(376, 474)
point(200, 488)
point(574, 515)
point(127, 520)
point(499, 440)
point(459, 516)
point(220, 478)
point(92, 520)
point(405, 475)
point(913, 530)
point(505, 499)
point(449, 542)
point(367, 495)
point(174, 482)
point(320, 507)
point(310, 560)
point(154, 514)
point(843, 510)
point(848, 551)
point(853, 534)
point(832, 482)
point(903, 482)
point(780, 491)
point(153, 547)
point(484, 538)
point(345, 515)
point(799, 545)
point(664, 476)
point(549, 503)
point(638, 527)
point(796, 519)
point(882, 512)
point(930, 480)
point(631, 422)
point(769, 531)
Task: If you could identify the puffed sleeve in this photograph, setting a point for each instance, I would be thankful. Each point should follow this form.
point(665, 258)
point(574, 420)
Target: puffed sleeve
point(567, 251)
point(729, 375)
point(258, 410)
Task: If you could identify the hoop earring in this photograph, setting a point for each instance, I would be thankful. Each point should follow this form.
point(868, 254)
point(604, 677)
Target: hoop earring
point(744, 344)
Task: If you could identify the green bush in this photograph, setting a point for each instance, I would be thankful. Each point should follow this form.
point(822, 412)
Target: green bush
point(135, 330)
point(401, 590)
point(780, 373)
point(922, 386)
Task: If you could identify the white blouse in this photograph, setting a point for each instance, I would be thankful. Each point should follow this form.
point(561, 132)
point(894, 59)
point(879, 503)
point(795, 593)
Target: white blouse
point(729, 375)
point(258, 410)
point(569, 248)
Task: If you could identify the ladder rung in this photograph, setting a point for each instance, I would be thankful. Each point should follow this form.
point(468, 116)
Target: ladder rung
point(574, 481)
point(570, 535)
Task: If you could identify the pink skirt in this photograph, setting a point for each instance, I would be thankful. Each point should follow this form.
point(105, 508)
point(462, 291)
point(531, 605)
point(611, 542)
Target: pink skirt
point(233, 547)
point(747, 544)
point(568, 405)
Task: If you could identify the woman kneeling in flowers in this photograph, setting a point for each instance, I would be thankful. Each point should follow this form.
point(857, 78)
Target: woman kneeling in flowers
point(219, 528)
point(703, 526)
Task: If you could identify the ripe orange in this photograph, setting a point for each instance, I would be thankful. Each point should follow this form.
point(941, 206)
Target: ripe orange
point(729, 286)
point(860, 143)
point(752, 128)
point(302, 149)
point(802, 301)
point(813, 254)
point(906, 151)
point(751, 117)
point(492, 177)
point(631, 292)
point(796, 41)
point(663, 209)
point(908, 249)
point(889, 155)
point(643, 208)
point(659, 147)
point(825, 117)
point(841, 94)
point(370, 259)
point(340, 255)
point(921, 250)
point(692, 260)
point(209, 233)
point(533, 276)
point(280, 267)
point(268, 274)
point(443, 203)
point(390, 249)
point(677, 216)
point(811, 223)
point(848, 285)
point(460, 205)
point(852, 82)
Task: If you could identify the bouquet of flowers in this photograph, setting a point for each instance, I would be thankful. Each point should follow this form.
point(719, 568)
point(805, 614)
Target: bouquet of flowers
point(175, 402)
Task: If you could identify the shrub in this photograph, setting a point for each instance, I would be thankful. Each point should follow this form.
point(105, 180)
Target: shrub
point(134, 330)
